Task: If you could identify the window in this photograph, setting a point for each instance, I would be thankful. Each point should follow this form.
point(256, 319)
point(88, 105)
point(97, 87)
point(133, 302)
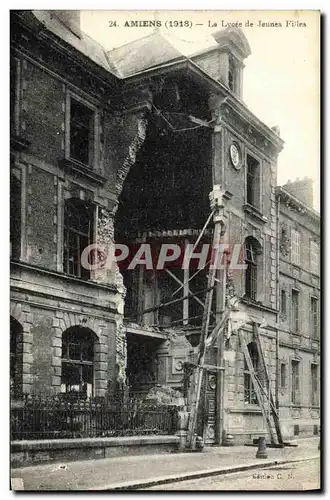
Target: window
point(82, 132)
point(77, 362)
point(314, 257)
point(295, 381)
point(252, 251)
point(295, 311)
point(78, 234)
point(295, 247)
point(283, 302)
point(16, 334)
point(15, 217)
point(250, 397)
point(231, 75)
point(253, 182)
point(14, 96)
point(283, 375)
point(314, 396)
point(314, 317)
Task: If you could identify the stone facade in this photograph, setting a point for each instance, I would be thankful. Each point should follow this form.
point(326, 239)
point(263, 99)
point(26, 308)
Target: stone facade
point(146, 182)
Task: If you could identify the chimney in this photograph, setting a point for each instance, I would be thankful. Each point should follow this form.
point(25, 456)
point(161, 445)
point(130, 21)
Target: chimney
point(71, 19)
point(302, 189)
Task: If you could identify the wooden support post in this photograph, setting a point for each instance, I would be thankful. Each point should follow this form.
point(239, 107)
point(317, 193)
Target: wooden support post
point(198, 376)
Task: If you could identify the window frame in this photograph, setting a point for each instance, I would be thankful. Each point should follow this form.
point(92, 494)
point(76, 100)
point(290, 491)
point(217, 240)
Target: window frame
point(93, 162)
point(248, 382)
point(295, 247)
point(79, 364)
point(295, 381)
point(295, 323)
point(314, 384)
point(314, 251)
point(283, 376)
point(314, 316)
point(77, 235)
point(284, 301)
point(15, 69)
point(256, 192)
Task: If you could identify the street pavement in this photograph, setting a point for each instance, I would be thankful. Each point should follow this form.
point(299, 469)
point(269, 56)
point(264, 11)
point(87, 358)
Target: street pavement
point(136, 472)
point(294, 476)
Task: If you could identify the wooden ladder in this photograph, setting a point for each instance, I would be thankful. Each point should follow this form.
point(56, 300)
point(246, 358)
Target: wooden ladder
point(262, 388)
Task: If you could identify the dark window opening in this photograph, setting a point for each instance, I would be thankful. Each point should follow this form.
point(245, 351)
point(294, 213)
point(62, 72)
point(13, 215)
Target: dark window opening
point(13, 95)
point(296, 430)
point(316, 430)
point(314, 317)
point(283, 301)
point(251, 273)
point(16, 332)
point(250, 396)
point(295, 382)
point(77, 362)
point(81, 132)
point(283, 375)
point(231, 75)
point(78, 234)
point(15, 217)
point(253, 182)
point(295, 311)
point(314, 399)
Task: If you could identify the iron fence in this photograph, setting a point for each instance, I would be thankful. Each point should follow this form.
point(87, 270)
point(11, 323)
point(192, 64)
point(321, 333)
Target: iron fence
point(54, 417)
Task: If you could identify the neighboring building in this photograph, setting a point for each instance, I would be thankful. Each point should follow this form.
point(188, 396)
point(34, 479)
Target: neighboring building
point(108, 147)
point(299, 308)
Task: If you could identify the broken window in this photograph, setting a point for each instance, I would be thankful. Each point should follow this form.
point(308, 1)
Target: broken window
point(250, 396)
point(82, 132)
point(77, 362)
point(253, 182)
point(252, 250)
point(295, 381)
point(78, 234)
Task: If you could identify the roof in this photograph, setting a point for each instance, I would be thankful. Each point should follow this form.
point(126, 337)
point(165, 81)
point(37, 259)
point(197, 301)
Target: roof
point(300, 205)
point(143, 53)
point(84, 44)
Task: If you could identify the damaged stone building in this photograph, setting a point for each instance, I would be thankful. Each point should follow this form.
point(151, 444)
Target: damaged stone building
point(124, 147)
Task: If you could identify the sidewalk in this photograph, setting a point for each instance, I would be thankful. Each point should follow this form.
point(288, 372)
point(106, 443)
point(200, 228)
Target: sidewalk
point(140, 471)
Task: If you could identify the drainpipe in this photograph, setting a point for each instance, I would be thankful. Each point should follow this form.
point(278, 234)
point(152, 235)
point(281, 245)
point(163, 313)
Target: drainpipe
point(277, 201)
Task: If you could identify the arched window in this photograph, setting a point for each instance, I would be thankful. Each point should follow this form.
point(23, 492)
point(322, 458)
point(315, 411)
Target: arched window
point(77, 361)
point(252, 253)
point(78, 234)
point(250, 397)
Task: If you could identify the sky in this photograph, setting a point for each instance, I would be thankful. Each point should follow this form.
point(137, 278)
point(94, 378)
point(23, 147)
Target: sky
point(281, 76)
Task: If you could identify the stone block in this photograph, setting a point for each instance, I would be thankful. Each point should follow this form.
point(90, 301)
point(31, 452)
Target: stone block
point(28, 338)
point(57, 371)
point(59, 314)
point(56, 361)
point(56, 322)
point(57, 342)
point(56, 380)
point(100, 375)
point(57, 351)
point(26, 369)
point(28, 358)
point(27, 327)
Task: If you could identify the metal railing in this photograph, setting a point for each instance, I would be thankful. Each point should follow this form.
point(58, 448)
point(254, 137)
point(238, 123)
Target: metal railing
point(55, 417)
